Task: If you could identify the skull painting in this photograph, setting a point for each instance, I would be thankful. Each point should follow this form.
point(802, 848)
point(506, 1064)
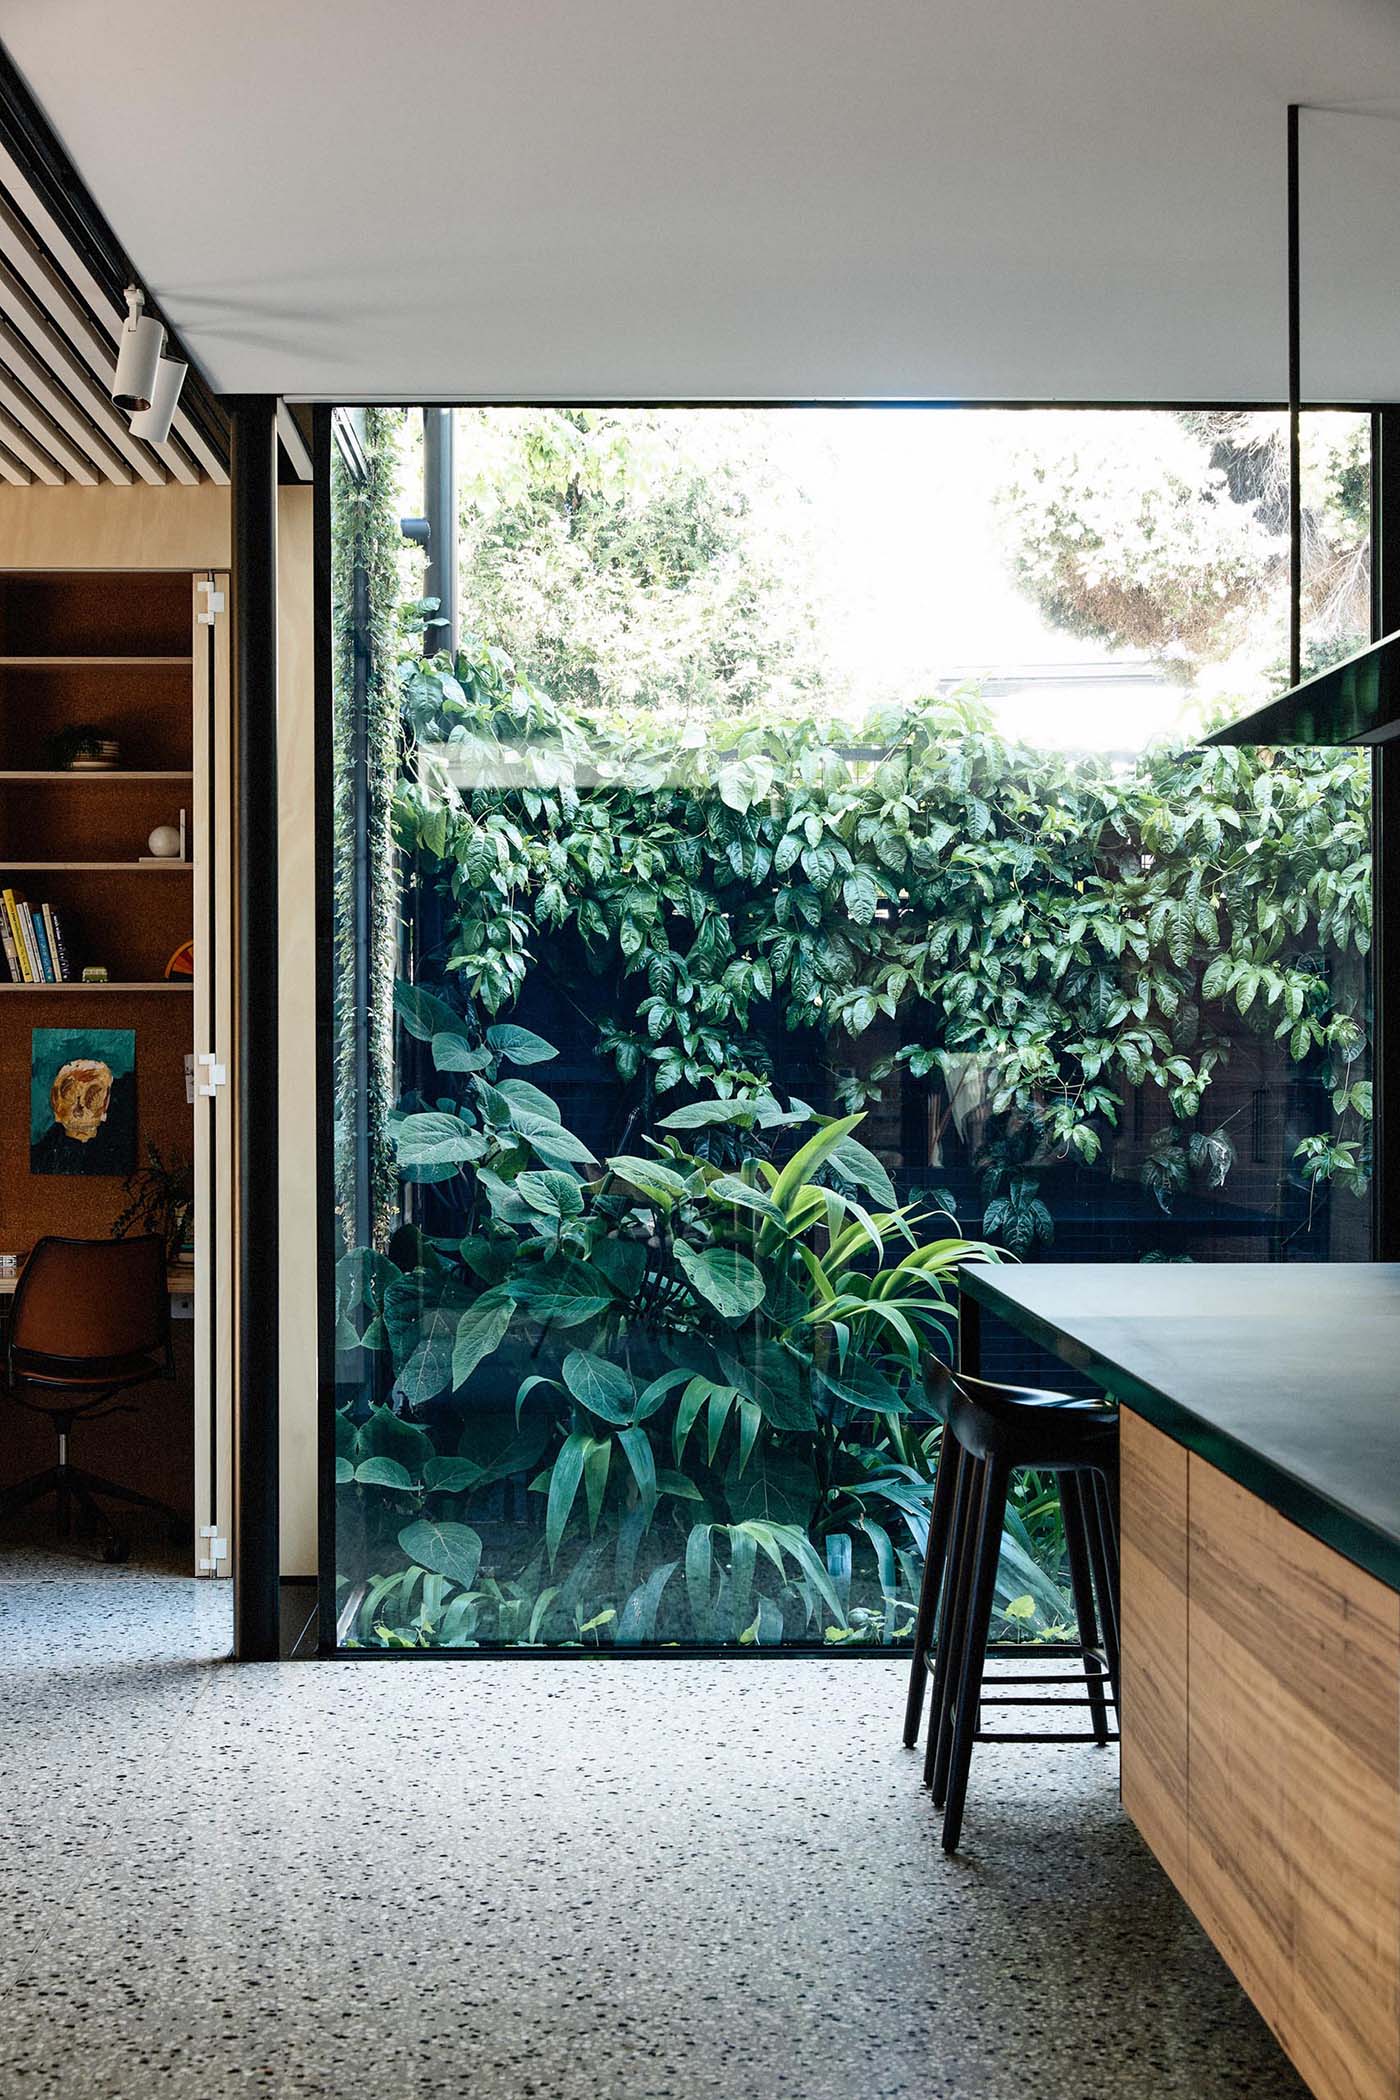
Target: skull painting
point(82, 1102)
point(79, 1097)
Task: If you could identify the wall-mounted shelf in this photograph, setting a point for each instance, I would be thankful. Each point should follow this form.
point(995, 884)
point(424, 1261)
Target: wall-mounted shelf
point(89, 663)
point(160, 985)
point(101, 867)
point(93, 773)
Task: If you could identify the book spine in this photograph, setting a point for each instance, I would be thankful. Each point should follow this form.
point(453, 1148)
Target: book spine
point(41, 942)
point(7, 940)
point(56, 946)
point(41, 975)
point(52, 940)
point(11, 903)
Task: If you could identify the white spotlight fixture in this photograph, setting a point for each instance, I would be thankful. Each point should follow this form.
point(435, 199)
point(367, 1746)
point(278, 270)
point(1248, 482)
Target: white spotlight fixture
point(154, 423)
point(138, 355)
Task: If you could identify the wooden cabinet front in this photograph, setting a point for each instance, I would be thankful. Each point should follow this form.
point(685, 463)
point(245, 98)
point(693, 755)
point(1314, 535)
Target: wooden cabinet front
point(1294, 1761)
point(1154, 1554)
point(1261, 1755)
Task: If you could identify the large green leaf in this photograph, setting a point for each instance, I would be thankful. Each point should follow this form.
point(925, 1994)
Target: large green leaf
point(564, 1477)
point(564, 1293)
point(382, 1472)
point(424, 1015)
point(604, 1388)
point(727, 1279)
point(862, 1384)
point(550, 1140)
point(778, 1486)
point(769, 1375)
point(432, 1146)
point(453, 1053)
point(658, 1183)
point(480, 1330)
point(519, 1046)
point(383, 1434)
point(856, 1164)
point(453, 1550)
point(551, 1191)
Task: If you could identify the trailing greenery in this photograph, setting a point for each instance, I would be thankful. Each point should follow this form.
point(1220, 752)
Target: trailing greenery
point(1065, 929)
point(712, 1375)
point(365, 537)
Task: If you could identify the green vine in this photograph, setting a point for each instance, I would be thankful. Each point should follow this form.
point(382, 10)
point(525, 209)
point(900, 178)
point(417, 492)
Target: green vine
point(1078, 929)
point(365, 537)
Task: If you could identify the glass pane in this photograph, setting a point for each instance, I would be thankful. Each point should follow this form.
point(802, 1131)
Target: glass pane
point(801, 869)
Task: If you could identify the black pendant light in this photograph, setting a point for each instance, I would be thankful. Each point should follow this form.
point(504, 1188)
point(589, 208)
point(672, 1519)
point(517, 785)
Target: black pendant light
point(1353, 702)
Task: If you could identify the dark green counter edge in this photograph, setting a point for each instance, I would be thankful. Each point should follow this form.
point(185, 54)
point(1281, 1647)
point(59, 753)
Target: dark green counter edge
point(1298, 1500)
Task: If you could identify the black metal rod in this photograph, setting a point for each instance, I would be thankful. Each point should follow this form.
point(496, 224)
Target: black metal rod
point(254, 583)
point(1385, 854)
point(1295, 408)
point(440, 510)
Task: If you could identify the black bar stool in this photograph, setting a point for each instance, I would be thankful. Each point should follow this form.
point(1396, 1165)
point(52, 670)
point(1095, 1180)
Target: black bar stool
point(989, 1431)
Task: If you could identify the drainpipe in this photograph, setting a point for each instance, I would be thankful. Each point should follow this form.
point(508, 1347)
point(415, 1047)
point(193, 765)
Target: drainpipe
point(440, 513)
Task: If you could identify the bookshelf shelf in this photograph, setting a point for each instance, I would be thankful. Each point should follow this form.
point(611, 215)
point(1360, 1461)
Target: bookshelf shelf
point(101, 867)
point(95, 663)
point(113, 773)
point(158, 985)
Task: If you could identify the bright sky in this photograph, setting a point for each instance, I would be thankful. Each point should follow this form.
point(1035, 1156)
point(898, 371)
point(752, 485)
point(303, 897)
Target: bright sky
point(919, 571)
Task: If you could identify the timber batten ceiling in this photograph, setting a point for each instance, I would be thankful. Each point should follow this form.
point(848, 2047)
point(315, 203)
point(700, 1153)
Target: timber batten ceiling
point(62, 277)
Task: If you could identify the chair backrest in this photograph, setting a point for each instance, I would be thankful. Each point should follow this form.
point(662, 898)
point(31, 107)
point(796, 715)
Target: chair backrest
point(89, 1301)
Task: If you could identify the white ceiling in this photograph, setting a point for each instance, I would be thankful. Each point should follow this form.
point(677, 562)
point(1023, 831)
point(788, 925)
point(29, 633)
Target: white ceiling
point(651, 199)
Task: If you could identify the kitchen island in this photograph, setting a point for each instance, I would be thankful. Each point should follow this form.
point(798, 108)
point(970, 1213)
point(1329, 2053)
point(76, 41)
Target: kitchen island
point(1260, 1536)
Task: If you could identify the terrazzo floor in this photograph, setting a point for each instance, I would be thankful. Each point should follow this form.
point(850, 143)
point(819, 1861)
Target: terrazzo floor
point(639, 1880)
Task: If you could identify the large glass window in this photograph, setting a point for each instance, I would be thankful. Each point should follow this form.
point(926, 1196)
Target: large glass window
point(803, 868)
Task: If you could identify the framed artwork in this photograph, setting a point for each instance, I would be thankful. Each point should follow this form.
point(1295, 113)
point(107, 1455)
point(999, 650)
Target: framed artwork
point(82, 1101)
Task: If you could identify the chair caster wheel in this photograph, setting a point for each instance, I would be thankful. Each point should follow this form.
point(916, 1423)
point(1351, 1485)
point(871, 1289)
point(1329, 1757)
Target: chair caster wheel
point(116, 1551)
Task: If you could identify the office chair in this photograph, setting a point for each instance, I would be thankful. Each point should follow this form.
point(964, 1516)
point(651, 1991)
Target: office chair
point(89, 1318)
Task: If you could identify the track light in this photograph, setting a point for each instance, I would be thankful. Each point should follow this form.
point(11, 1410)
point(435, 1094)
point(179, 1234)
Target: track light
point(154, 423)
point(138, 356)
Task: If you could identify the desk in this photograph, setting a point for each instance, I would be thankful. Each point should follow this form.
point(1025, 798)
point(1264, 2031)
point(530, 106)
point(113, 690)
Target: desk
point(179, 1282)
point(1260, 1543)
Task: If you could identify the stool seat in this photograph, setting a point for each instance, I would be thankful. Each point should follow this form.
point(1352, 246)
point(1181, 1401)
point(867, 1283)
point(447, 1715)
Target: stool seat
point(1023, 1425)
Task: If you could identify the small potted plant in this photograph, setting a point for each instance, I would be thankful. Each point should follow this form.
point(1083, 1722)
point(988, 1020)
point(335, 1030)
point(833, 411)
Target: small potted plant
point(162, 1200)
point(83, 745)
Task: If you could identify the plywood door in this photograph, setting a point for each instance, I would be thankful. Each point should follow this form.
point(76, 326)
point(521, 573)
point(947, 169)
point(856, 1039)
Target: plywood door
point(214, 1175)
point(1294, 1758)
point(1154, 1576)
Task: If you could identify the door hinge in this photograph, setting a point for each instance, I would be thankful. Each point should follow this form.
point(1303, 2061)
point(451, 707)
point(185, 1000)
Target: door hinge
point(217, 1074)
point(216, 1549)
point(213, 604)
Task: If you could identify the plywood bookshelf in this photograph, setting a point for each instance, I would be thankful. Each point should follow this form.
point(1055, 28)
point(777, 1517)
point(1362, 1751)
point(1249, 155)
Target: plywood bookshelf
point(113, 651)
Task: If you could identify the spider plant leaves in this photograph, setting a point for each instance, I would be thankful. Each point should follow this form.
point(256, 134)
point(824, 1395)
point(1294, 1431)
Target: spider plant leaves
point(637, 1621)
point(726, 1279)
point(453, 1550)
point(564, 1477)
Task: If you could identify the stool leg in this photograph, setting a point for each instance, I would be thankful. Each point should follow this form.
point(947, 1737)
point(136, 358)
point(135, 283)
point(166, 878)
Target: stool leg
point(1103, 1552)
point(981, 1593)
point(1082, 1589)
point(950, 1625)
point(935, 1556)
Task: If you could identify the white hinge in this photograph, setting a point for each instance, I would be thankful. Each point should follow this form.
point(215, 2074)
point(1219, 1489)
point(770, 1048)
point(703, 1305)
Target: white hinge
point(213, 603)
point(216, 1549)
point(217, 1074)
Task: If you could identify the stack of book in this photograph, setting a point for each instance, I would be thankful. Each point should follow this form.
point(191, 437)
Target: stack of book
point(32, 936)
